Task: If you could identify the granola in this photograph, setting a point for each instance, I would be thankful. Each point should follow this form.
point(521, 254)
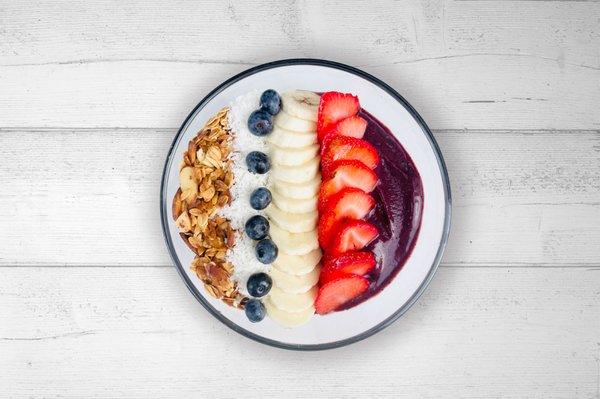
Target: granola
point(205, 179)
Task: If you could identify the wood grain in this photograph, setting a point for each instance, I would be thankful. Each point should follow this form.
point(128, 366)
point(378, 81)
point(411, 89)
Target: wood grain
point(368, 33)
point(90, 197)
point(477, 65)
point(473, 91)
point(476, 333)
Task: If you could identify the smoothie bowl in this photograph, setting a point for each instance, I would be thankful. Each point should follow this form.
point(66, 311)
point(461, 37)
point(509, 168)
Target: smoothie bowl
point(305, 204)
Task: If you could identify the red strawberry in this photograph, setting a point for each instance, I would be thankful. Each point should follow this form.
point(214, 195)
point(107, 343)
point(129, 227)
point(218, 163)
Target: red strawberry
point(326, 140)
point(352, 235)
point(334, 107)
point(346, 173)
point(338, 292)
point(359, 263)
point(342, 147)
point(353, 126)
point(350, 203)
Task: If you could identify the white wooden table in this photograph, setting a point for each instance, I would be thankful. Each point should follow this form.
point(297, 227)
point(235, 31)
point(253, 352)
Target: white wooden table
point(91, 94)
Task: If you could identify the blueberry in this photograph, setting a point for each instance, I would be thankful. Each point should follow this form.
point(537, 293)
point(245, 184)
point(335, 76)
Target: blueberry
point(259, 284)
point(260, 122)
point(270, 101)
point(255, 310)
point(266, 251)
point(257, 227)
point(260, 198)
point(258, 162)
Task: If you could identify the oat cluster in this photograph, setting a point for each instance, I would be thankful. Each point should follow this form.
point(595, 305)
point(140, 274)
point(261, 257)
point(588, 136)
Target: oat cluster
point(205, 179)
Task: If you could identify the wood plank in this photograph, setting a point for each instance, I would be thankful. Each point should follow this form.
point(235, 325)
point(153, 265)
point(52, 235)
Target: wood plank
point(478, 65)
point(215, 31)
point(477, 91)
point(476, 333)
point(90, 197)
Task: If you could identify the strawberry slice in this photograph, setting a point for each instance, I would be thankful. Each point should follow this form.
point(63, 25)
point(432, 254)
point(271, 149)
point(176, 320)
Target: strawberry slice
point(338, 292)
point(353, 126)
point(359, 263)
point(326, 140)
point(334, 107)
point(346, 173)
point(349, 203)
point(342, 147)
point(352, 235)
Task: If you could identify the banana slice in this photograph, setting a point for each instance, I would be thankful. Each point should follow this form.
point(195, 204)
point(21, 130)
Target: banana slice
point(298, 191)
point(292, 302)
point(291, 139)
point(294, 243)
point(295, 284)
point(288, 319)
point(298, 264)
point(296, 174)
point(293, 156)
point(294, 205)
point(289, 122)
point(292, 222)
point(302, 104)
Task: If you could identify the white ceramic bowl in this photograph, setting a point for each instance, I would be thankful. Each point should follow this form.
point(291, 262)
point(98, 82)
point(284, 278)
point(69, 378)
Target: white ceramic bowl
point(340, 328)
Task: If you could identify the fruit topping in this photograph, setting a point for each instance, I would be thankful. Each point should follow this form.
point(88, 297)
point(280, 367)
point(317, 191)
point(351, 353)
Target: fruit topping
point(258, 162)
point(260, 122)
point(266, 251)
point(352, 235)
point(270, 102)
point(349, 203)
point(333, 108)
point(353, 126)
point(343, 147)
point(259, 284)
point(359, 263)
point(255, 310)
point(260, 198)
point(301, 104)
point(338, 292)
point(345, 173)
point(257, 227)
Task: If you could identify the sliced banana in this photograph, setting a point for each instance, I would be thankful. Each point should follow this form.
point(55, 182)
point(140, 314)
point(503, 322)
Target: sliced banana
point(298, 264)
point(295, 284)
point(290, 139)
point(296, 174)
point(294, 205)
point(292, 222)
point(298, 191)
point(293, 156)
point(288, 319)
point(301, 103)
point(294, 243)
point(292, 302)
point(289, 122)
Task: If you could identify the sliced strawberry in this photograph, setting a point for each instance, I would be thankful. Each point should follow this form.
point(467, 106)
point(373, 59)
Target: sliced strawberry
point(349, 203)
point(326, 140)
point(346, 173)
point(334, 107)
point(352, 235)
point(353, 126)
point(338, 292)
point(342, 147)
point(359, 263)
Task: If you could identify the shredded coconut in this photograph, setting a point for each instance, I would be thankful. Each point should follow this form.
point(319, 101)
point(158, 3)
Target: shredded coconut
point(242, 254)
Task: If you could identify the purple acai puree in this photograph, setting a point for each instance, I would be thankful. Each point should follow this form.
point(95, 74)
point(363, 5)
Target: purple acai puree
point(397, 215)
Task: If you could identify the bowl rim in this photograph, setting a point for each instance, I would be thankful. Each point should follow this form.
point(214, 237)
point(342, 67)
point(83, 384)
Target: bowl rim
point(445, 181)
